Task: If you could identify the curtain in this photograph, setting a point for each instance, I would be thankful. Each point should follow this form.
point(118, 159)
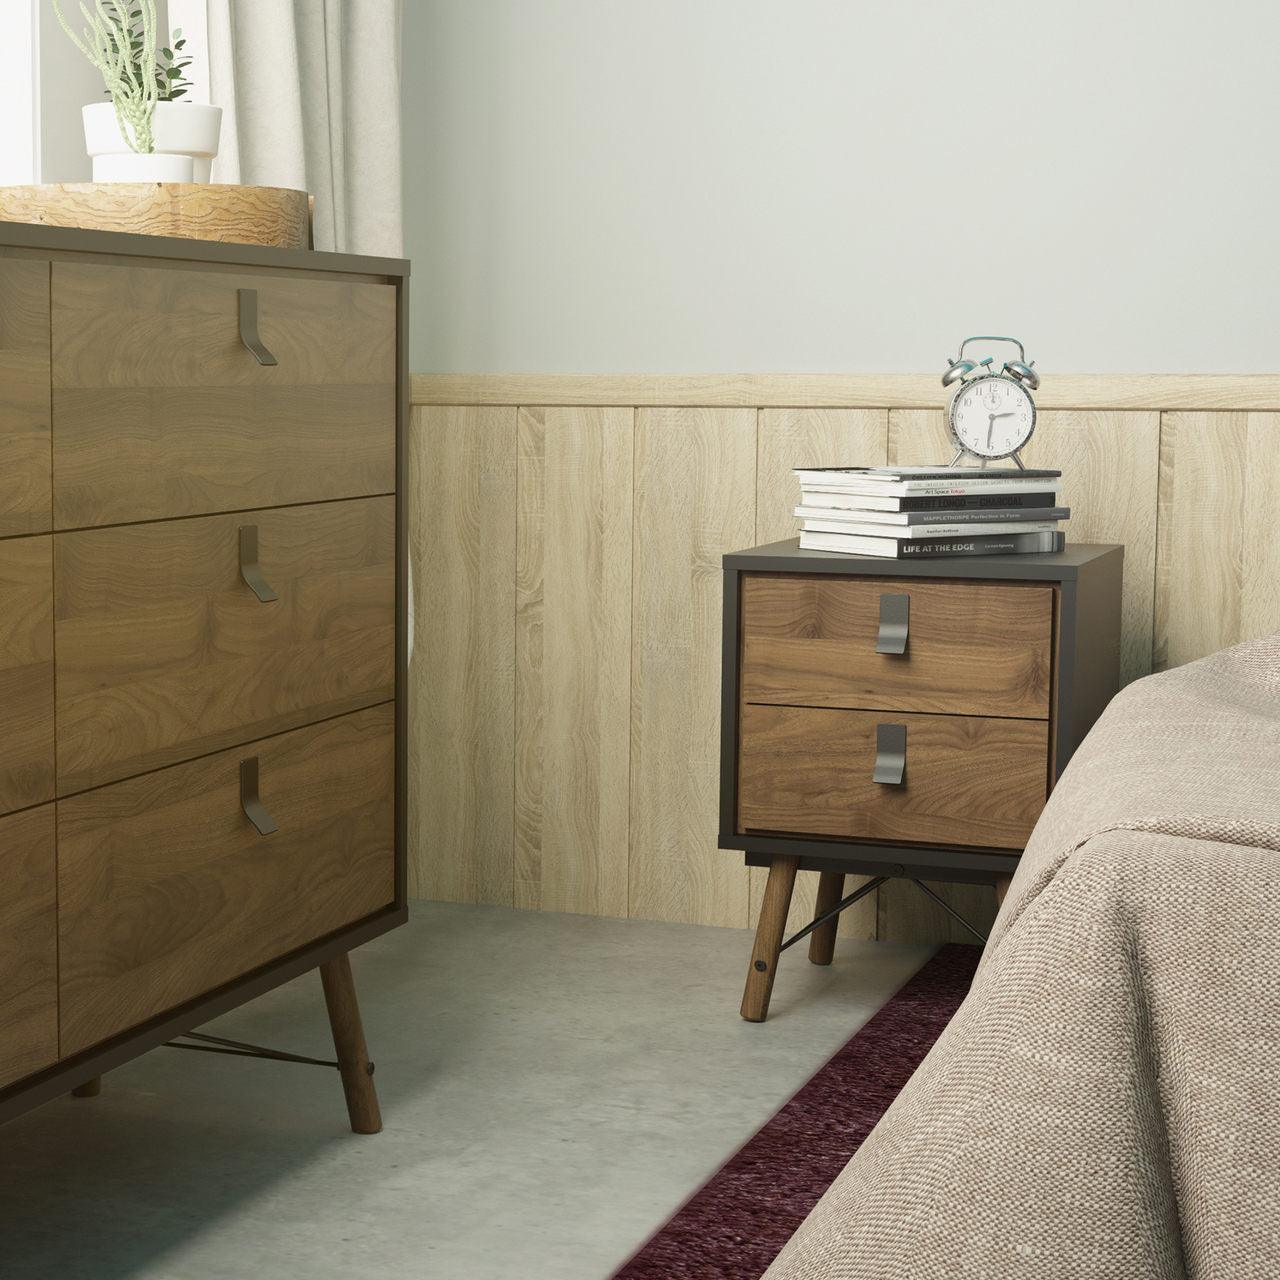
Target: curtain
point(310, 92)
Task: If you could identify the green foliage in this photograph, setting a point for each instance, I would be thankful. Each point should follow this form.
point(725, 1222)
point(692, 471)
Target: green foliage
point(167, 65)
point(119, 38)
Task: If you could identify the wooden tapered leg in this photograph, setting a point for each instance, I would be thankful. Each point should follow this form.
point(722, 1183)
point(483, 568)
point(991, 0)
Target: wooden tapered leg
point(1002, 887)
point(822, 941)
point(348, 1040)
point(90, 1088)
point(773, 924)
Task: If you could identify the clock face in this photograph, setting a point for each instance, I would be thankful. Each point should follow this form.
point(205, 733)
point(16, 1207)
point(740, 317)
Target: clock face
point(992, 416)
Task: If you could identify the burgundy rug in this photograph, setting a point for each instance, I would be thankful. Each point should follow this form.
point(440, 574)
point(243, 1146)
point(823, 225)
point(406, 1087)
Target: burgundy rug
point(735, 1226)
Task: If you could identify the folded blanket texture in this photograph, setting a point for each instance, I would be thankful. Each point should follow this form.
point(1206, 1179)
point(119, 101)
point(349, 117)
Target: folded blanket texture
point(1105, 1103)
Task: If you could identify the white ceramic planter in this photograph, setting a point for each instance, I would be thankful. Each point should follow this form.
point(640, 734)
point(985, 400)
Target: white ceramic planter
point(186, 140)
point(128, 166)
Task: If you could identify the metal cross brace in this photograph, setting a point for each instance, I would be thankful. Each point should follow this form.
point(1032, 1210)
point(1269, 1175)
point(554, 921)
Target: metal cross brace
point(949, 909)
point(861, 892)
point(238, 1049)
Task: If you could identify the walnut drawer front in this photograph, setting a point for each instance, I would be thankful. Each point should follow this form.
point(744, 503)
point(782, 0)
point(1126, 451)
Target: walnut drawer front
point(28, 944)
point(167, 890)
point(973, 648)
point(26, 673)
point(968, 780)
point(165, 652)
point(25, 492)
point(160, 409)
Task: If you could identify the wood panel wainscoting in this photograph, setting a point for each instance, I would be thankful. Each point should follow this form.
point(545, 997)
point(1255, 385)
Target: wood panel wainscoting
point(203, 642)
point(567, 535)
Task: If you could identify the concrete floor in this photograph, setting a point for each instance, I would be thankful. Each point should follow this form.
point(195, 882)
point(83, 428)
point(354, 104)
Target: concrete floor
point(552, 1086)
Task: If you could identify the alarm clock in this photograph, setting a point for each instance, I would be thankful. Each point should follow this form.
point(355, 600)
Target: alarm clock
point(992, 415)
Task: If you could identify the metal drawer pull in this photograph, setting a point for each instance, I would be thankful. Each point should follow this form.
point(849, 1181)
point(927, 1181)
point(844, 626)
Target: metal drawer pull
point(895, 613)
point(249, 327)
point(891, 754)
point(250, 569)
point(251, 802)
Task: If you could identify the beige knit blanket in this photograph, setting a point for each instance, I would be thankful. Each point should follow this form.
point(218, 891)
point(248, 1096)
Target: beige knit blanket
point(1106, 1103)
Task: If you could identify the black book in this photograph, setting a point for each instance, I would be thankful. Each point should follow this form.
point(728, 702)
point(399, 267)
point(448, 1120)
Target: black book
point(966, 502)
point(919, 475)
point(937, 548)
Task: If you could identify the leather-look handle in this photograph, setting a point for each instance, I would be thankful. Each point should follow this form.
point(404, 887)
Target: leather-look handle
point(895, 616)
point(891, 754)
point(249, 328)
point(251, 801)
point(250, 569)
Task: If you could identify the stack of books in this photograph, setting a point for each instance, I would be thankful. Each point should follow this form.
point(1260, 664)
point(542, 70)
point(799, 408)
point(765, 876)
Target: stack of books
point(917, 512)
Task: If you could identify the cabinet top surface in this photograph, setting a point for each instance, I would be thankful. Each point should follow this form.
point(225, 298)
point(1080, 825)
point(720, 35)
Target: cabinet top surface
point(786, 557)
point(26, 235)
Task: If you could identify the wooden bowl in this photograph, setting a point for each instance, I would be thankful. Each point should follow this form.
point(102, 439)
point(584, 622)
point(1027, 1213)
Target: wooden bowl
point(275, 216)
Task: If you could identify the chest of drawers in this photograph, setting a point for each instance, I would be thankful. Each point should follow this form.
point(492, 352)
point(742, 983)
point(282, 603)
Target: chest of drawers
point(202, 640)
point(905, 719)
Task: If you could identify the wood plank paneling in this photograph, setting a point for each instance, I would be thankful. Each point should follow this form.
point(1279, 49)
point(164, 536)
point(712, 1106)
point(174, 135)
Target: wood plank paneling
point(1219, 559)
point(573, 660)
point(698, 474)
point(790, 438)
point(1110, 464)
point(28, 944)
point(26, 672)
point(462, 504)
point(695, 485)
point(1157, 391)
point(26, 496)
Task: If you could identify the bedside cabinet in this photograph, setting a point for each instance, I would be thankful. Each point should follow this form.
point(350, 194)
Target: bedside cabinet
point(900, 719)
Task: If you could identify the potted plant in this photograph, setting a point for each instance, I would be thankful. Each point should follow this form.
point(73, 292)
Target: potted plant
point(144, 133)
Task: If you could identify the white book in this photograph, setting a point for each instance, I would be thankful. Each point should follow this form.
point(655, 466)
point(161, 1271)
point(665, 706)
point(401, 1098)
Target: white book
point(928, 488)
point(941, 516)
point(1033, 498)
point(930, 548)
point(927, 480)
point(918, 531)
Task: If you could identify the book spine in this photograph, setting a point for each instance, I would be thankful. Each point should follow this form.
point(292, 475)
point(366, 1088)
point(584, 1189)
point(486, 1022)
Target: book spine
point(978, 501)
point(992, 545)
point(980, 515)
point(924, 519)
point(941, 489)
point(921, 475)
point(924, 533)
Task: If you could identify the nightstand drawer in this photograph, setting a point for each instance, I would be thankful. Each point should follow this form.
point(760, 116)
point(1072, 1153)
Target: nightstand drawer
point(167, 890)
point(972, 648)
point(966, 781)
point(160, 408)
point(165, 650)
